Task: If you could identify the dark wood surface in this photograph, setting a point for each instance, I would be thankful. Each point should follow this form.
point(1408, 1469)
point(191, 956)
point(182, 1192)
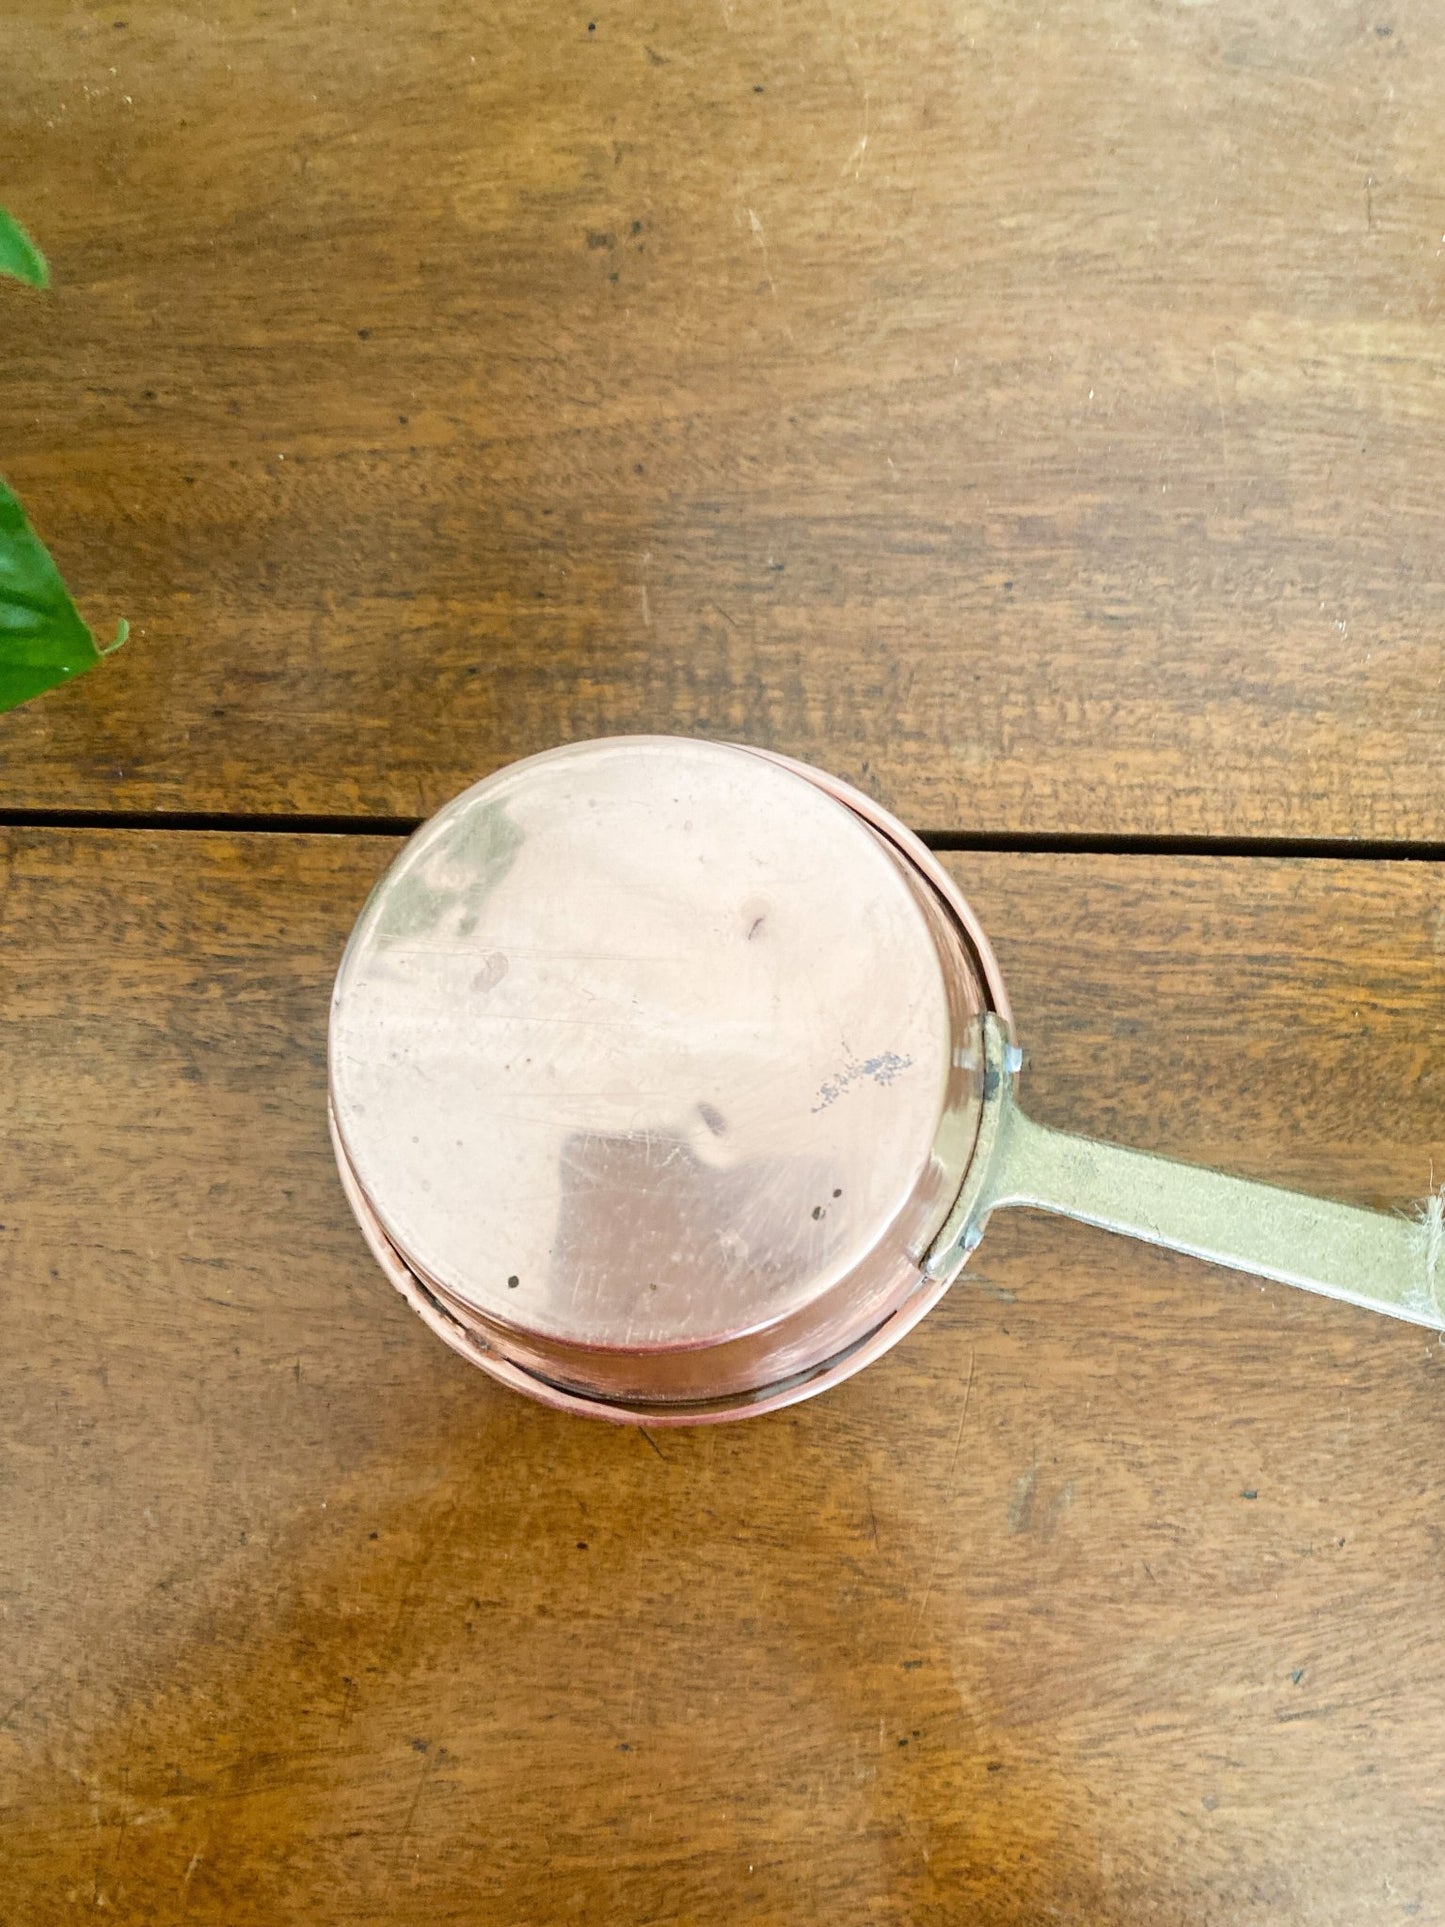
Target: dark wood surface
point(1032, 413)
point(1112, 1595)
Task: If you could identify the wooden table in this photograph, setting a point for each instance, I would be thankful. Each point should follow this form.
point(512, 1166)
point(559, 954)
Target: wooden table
point(1034, 415)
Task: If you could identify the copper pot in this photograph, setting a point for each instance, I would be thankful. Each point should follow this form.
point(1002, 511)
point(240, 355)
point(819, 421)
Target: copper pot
point(673, 1080)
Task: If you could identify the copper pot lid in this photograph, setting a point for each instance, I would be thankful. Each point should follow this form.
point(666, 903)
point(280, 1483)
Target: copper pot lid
point(671, 1079)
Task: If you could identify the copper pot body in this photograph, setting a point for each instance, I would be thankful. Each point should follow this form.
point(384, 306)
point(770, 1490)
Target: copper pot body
point(654, 1076)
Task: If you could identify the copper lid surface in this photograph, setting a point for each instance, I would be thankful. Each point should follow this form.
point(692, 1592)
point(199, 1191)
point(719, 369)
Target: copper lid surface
point(645, 1064)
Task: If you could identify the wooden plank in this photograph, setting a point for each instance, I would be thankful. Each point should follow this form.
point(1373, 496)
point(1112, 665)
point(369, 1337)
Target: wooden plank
point(1111, 1595)
point(1036, 417)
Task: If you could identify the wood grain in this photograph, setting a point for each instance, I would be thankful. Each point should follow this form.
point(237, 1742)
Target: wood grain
point(1032, 414)
point(1112, 1596)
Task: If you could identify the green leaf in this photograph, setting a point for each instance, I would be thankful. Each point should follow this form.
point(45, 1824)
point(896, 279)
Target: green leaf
point(19, 255)
point(43, 640)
